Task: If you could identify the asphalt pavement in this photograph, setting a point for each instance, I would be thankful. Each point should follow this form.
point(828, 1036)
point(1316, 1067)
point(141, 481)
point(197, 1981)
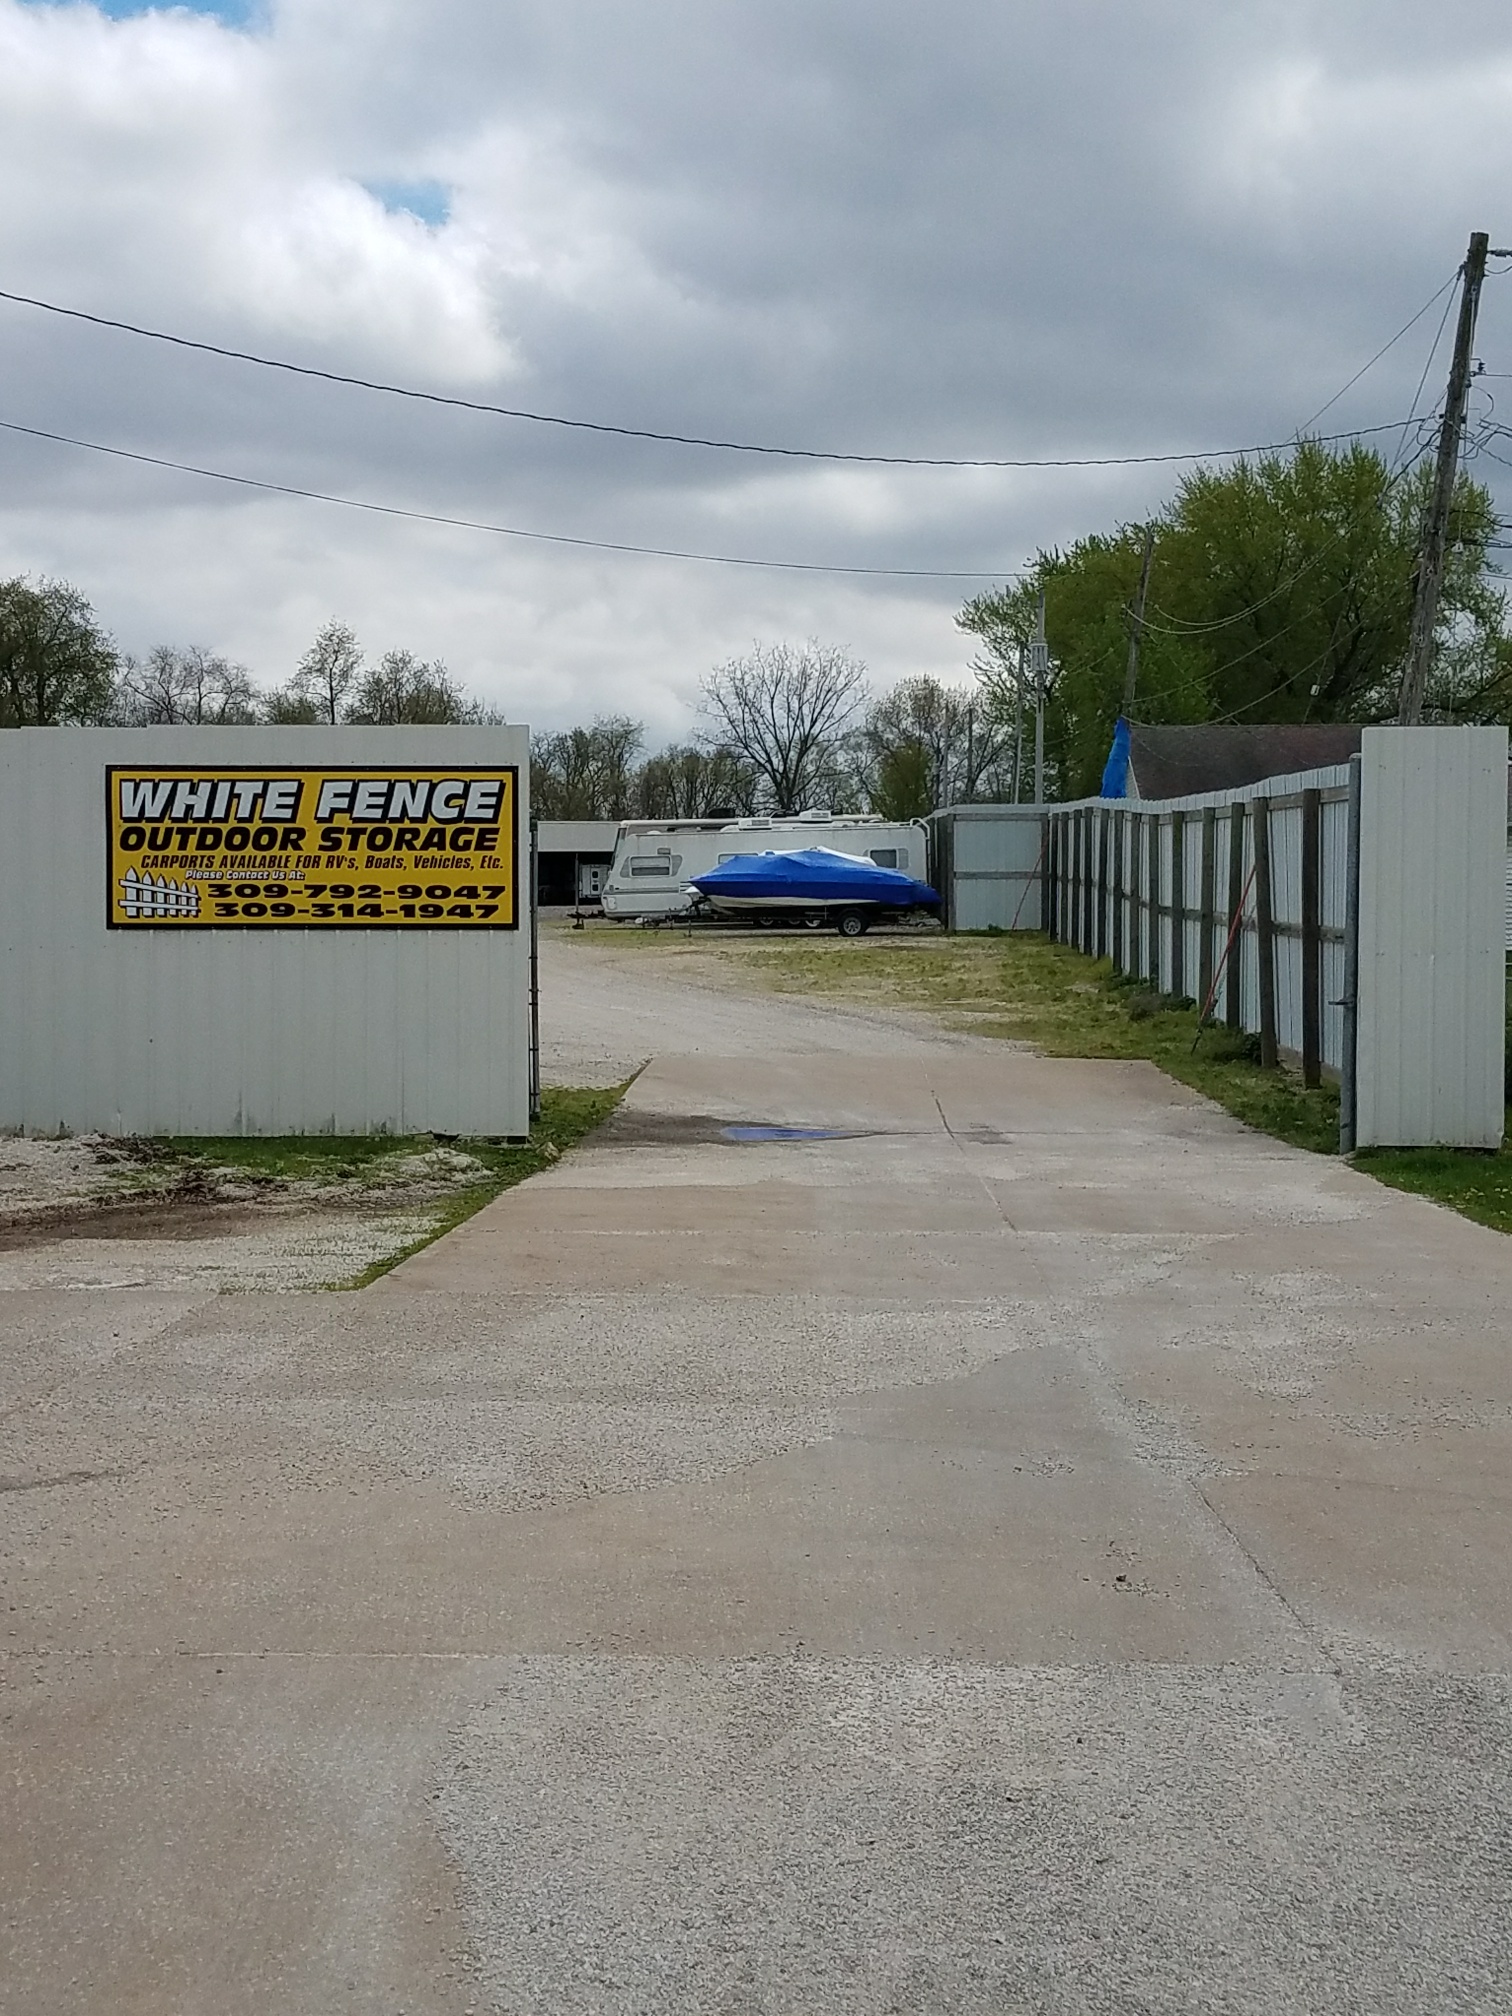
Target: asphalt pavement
point(893, 1524)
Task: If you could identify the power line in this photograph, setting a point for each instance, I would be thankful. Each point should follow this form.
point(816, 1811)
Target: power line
point(1381, 352)
point(680, 440)
point(1174, 628)
point(511, 531)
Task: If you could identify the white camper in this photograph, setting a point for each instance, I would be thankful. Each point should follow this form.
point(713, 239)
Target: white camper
point(655, 860)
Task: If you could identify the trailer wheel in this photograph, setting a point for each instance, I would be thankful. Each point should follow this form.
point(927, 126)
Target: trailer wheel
point(768, 920)
point(852, 924)
point(813, 920)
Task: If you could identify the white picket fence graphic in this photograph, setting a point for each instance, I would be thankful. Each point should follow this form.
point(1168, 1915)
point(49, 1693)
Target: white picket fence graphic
point(142, 897)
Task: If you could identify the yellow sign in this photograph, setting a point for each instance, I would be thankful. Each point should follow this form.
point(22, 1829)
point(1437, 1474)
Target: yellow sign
point(352, 849)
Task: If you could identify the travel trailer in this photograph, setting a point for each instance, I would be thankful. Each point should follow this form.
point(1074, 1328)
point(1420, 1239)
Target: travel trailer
point(655, 860)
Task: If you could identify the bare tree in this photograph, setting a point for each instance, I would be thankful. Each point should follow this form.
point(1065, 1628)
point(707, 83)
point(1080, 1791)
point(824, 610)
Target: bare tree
point(691, 783)
point(932, 744)
point(402, 689)
point(585, 773)
point(191, 686)
point(328, 671)
point(783, 709)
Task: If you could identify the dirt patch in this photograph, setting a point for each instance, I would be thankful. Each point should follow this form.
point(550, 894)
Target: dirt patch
point(126, 1219)
point(629, 1129)
point(99, 1211)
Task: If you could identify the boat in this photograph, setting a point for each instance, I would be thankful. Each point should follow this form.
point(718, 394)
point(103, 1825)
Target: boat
point(814, 886)
point(655, 860)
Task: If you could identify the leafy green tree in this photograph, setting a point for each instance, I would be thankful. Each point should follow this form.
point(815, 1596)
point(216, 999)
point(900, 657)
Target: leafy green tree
point(902, 782)
point(1280, 590)
point(56, 664)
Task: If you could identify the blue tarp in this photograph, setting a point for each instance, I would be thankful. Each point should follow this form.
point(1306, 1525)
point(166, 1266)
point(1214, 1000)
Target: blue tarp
point(1115, 777)
point(814, 875)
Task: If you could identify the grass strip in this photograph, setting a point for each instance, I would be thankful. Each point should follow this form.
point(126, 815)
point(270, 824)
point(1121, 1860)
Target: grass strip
point(567, 1116)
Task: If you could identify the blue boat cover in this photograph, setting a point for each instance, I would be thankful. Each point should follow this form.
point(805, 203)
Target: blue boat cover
point(1115, 777)
point(815, 875)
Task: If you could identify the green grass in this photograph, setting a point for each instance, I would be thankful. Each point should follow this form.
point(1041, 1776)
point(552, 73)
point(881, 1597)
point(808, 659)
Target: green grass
point(566, 1117)
point(1477, 1184)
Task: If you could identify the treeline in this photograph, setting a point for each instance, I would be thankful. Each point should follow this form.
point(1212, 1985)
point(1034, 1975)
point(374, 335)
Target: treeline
point(59, 666)
point(785, 728)
point(1280, 589)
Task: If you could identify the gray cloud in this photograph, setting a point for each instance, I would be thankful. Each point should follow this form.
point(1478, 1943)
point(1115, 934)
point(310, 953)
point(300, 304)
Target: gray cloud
point(969, 229)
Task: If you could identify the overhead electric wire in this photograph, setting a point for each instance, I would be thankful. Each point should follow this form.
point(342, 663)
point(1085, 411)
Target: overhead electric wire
point(1382, 351)
point(657, 434)
point(1174, 628)
point(510, 531)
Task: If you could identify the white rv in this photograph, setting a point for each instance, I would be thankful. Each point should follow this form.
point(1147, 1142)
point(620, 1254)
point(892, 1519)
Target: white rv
point(655, 860)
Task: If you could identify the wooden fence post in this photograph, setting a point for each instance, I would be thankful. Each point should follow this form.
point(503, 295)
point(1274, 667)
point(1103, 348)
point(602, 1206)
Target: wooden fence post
point(1178, 903)
point(1233, 973)
point(1104, 823)
point(1312, 940)
point(1205, 903)
point(1265, 937)
point(1089, 883)
point(1117, 881)
point(1047, 878)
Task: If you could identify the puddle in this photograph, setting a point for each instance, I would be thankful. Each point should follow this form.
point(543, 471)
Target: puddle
point(751, 1134)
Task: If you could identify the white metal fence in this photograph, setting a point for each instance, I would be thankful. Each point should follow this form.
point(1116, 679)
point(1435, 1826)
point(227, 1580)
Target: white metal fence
point(1352, 918)
point(1236, 899)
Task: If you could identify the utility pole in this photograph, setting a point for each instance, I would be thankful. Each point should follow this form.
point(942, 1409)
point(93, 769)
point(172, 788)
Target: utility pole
point(1018, 728)
point(1430, 567)
point(1136, 633)
point(1039, 672)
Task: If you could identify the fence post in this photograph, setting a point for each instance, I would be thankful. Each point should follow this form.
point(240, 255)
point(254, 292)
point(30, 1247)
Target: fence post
point(1104, 821)
point(1205, 904)
point(1312, 944)
point(1265, 937)
point(1178, 903)
point(1349, 1059)
point(1149, 824)
point(1233, 974)
point(1089, 818)
point(1116, 880)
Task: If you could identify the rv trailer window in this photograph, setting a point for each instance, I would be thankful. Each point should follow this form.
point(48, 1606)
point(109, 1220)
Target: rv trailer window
point(885, 857)
point(650, 864)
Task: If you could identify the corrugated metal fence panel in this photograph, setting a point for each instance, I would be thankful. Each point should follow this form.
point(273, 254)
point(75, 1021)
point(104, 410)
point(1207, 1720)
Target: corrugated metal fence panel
point(1142, 860)
point(990, 858)
point(1432, 931)
point(229, 1032)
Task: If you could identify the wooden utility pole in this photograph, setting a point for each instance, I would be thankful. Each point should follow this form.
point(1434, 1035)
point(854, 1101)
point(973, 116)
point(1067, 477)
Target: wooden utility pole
point(1430, 567)
point(1039, 672)
point(1136, 632)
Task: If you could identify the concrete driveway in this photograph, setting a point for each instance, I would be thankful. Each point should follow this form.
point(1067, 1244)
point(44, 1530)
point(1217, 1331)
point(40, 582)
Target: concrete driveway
point(1011, 1541)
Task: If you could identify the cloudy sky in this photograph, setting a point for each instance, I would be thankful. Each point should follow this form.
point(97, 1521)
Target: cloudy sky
point(1064, 229)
